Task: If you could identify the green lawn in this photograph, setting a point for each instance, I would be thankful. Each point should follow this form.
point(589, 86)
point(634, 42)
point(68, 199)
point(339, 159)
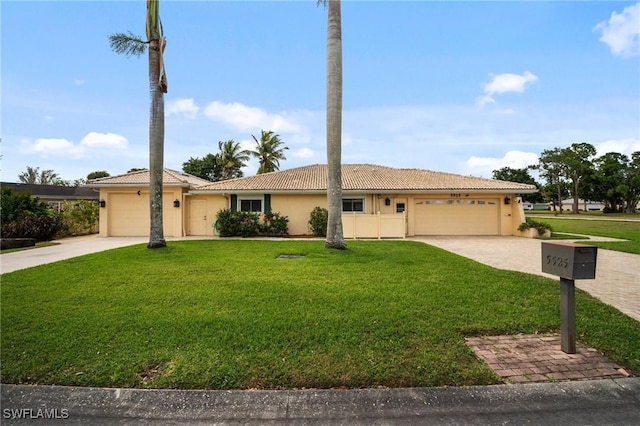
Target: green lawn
point(629, 231)
point(224, 314)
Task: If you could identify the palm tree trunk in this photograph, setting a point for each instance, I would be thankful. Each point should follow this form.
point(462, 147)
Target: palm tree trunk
point(335, 237)
point(156, 147)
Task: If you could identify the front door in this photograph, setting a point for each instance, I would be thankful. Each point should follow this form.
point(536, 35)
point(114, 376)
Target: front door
point(198, 217)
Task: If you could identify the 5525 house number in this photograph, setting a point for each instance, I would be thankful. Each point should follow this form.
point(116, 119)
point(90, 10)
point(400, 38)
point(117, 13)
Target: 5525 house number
point(560, 262)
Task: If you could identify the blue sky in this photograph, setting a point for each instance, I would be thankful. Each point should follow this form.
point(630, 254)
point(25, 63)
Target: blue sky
point(460, 87)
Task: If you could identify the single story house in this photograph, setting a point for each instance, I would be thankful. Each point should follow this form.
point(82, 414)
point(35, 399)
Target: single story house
point(54, 195)
point(378, 202)
point(583, 205)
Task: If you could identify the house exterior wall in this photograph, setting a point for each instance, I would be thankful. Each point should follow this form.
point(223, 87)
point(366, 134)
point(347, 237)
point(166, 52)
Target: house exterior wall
point(197, 212)
point(298, 208)
point(213, 204)
point(126, 212)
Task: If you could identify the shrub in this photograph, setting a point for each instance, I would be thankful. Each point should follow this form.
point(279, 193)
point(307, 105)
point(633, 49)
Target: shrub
point(79, 218)
point(26, 217)
point(531, 223)
point(42, 227)
point(318, 221)
point(274, 225)
point(248, 224)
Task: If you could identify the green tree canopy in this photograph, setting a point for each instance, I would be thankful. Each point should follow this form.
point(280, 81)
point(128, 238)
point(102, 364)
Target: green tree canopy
point(207, 167)
point(231, 158)
point(521, 176)
point(269, 151)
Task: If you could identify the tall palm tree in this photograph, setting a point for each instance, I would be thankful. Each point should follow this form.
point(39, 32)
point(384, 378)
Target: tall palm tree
point(133, 45)
point(231, 159)
point(268, 151)
point(335, 236)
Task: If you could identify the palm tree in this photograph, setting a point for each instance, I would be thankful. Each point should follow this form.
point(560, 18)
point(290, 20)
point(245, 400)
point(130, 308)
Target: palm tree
point(45, 177)
point(268, 152)
point(231, 159)
point(335, 237)
point(133, 45)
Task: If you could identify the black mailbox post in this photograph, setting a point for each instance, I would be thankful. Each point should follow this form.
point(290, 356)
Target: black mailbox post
point(570, 262)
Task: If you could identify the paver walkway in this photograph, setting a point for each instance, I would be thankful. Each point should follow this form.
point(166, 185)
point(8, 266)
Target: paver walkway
point(531, 358)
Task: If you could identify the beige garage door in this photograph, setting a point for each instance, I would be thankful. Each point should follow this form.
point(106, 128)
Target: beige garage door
point(456, 216)
point(129, 215)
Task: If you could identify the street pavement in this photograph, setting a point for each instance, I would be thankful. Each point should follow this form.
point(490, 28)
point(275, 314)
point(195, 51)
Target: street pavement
point(593, 402)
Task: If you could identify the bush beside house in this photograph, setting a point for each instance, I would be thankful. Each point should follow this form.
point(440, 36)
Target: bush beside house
point(231, 223)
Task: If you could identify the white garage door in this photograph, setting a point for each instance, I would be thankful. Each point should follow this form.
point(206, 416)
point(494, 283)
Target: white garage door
point(129, 215)
point(456, 217)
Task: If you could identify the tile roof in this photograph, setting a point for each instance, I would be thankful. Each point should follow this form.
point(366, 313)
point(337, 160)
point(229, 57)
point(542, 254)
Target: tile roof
point(141, 177)
point(363, 177)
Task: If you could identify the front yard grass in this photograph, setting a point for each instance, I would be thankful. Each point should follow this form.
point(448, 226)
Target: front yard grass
point(629, 231)
point(228, 314)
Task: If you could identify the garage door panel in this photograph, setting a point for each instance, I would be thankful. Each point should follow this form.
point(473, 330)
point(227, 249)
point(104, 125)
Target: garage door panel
point(129, 215)
point(456, 217)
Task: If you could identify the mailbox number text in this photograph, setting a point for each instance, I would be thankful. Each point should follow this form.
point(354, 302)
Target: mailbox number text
point(561, 262)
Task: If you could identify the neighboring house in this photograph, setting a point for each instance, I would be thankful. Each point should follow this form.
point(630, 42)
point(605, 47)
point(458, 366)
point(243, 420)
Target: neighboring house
point(54, 195)
point(378, 202)
point(583, 205)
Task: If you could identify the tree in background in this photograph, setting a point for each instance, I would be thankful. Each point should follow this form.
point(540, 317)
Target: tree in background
point(631, 186)
point(207, 167)
point(552, 169)
point(521, 176)
point(605, 183)
point(133, 45)
point(268, 151)
point(335, 236)
point(98, 174)
point(33, 175)
point(231, 159)
point(577, 168)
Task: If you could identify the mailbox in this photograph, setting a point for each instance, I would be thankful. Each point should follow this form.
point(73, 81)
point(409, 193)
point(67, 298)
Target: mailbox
point(569, 260)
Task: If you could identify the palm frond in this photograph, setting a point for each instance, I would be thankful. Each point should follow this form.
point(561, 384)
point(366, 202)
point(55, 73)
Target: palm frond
point(129, 44)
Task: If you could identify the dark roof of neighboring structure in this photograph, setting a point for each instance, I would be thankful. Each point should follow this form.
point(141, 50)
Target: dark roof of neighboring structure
point(54, 192)
point(363, 177)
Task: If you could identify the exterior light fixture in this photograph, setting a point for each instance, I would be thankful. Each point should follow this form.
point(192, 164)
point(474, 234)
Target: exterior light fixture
point(387, 201)
point(507, 201)
point(176, 203)
point(103, 203)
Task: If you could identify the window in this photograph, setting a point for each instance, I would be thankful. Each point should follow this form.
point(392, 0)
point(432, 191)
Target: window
point(251, 205)
point(400, 207)
point(353, 205)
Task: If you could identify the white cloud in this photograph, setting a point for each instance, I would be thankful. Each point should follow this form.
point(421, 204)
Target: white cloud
point(48, 118)
point(51, 147)
point(303, 153)
point(58, 147)
point(104, 140)
point(484, 166)
point(622, 32)
point(623, 146)
point(249, 119)
point(505, 83)
point(184, 107)
point(78, 82)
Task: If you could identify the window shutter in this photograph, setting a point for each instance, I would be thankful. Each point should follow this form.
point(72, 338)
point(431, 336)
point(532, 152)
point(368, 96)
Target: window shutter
point(267, 203)
point(234, 203)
